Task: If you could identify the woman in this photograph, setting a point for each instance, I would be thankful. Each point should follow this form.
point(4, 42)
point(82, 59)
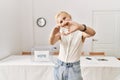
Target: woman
point(71, 36)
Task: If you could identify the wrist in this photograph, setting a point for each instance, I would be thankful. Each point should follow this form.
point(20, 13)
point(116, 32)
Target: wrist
point(84, 28)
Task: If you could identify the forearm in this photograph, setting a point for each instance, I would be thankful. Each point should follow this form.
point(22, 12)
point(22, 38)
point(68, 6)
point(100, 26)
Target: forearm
point(89, 31)
point(51, 40)
point(54, 37)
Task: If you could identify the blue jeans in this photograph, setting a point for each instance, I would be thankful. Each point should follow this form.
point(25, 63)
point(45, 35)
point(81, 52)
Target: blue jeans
point(67, 71)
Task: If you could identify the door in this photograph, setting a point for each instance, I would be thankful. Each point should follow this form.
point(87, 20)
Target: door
point(107, 27)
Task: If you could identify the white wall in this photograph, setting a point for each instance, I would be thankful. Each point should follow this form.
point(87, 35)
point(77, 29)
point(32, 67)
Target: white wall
point(18, 19)
point(9, 27)
point(27, 25)
point(81, 11)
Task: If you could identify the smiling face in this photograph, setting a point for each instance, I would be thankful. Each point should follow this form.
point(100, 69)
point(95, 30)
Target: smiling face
point(62, 16)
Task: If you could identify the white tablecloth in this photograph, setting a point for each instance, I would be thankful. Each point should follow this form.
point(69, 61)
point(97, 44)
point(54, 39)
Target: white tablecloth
point(100, 68)
point(18, 67)
point(24, 68)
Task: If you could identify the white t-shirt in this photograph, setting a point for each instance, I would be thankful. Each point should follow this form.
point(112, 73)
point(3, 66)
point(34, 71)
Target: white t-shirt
point(70, 46)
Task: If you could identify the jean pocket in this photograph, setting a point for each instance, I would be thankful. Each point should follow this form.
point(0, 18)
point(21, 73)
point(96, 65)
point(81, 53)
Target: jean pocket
point(76, 68)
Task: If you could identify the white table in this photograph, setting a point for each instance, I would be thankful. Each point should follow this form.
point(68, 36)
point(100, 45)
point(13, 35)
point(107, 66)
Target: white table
point(18, 67)
point(100, 68)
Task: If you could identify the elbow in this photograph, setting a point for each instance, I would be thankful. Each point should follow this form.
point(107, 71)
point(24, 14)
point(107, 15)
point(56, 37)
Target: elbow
point(93, 33)
point(51, 42)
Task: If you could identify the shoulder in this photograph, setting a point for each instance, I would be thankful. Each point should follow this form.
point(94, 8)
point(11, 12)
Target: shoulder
point(80, 35)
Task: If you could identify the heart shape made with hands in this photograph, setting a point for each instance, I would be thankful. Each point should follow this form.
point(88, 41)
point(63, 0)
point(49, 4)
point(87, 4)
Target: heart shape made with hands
point(71, 26)
point(70, 30)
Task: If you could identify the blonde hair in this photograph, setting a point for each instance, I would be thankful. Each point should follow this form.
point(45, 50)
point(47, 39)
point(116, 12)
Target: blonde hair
point(62, 12)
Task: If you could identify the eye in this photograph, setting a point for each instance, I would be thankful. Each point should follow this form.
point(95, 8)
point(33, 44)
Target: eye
point(61, 21)
point(64, 18)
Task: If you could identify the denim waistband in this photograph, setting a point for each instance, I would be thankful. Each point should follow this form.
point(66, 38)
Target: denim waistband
point(68, 64)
